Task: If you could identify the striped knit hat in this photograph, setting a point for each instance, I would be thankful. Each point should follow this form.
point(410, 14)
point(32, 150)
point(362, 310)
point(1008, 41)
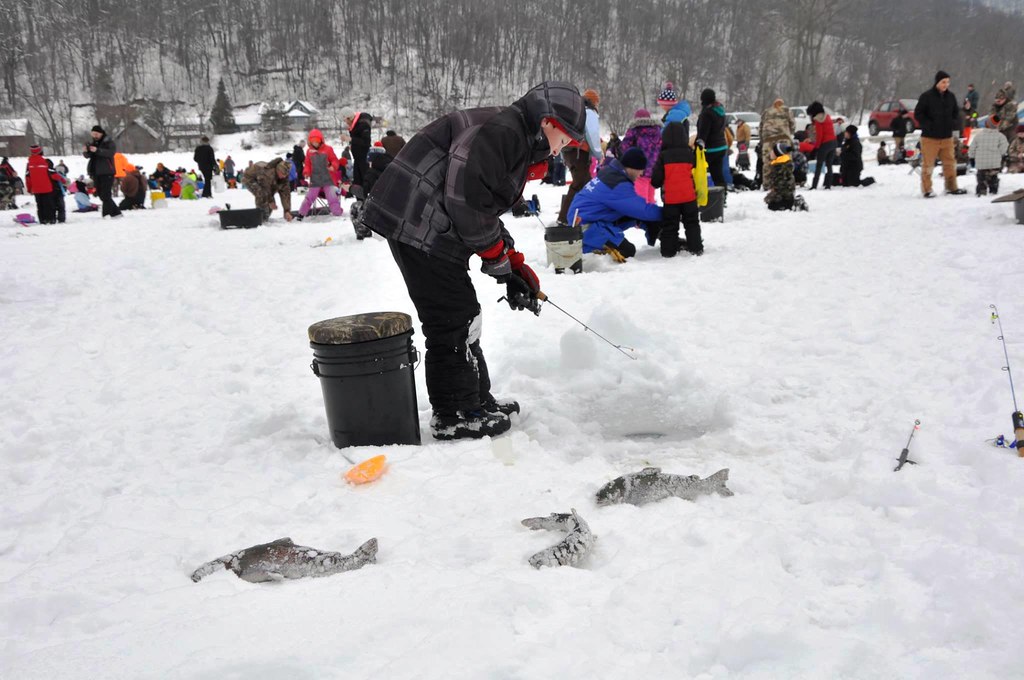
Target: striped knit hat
point(668, 97)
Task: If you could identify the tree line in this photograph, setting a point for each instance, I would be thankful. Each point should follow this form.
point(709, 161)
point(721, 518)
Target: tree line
point(410, 60)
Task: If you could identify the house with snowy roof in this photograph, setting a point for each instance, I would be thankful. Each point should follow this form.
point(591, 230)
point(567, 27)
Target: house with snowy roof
point(300, 115)
point(16, 136)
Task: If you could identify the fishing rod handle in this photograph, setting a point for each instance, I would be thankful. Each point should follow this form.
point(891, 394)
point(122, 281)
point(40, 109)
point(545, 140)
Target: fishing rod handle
point(1018, 432)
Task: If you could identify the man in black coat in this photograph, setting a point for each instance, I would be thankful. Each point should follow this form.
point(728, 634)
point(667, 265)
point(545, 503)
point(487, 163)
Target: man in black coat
point(206, 160)
point(101, 168)
point(938, 114)
point(438, 203)
point(359, 132)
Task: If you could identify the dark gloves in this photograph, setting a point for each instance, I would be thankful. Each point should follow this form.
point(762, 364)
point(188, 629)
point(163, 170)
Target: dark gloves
point(523, 286)
point(509, 267)
point(495, 262)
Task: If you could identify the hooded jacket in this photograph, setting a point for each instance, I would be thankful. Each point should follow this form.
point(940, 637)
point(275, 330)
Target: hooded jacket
point(610, 197)
point(319, 162)
point(445, 191)
point(644, 134)
point(37, 174)
point(674, 170)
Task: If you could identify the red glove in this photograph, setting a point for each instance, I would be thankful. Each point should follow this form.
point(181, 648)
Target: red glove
point(524, 271)
point(537, 171)
point(496, 261)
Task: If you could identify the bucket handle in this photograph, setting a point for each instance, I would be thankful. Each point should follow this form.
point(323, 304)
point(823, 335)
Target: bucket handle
point(415, 356)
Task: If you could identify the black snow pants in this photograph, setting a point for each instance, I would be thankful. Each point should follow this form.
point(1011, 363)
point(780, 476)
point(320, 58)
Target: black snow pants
point(446, 302)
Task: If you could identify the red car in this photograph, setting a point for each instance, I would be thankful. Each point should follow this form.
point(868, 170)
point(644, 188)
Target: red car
point(883, 115)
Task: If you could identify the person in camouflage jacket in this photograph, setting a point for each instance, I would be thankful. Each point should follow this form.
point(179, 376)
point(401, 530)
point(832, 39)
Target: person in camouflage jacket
point(1005, 107)
point(264, 179)
point(777, 125)
point(1015, 154)
point(780, 177)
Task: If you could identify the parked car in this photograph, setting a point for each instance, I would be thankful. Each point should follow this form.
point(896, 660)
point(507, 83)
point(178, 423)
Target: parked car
point(802, 120)
point(883, 115)
point(983, 121)
point(752, 119)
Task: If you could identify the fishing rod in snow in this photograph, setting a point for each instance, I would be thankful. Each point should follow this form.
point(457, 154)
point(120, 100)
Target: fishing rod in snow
point(520, 300)
point(1017, 416)
point(905, 453)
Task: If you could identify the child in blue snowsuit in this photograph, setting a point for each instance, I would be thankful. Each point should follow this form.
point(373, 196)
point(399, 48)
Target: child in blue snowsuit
point(609, 205)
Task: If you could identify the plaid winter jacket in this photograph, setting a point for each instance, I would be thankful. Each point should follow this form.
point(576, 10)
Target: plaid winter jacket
point(988, 146)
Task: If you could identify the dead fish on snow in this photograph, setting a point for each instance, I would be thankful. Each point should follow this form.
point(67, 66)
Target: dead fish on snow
point(283, 559)
point(651, 485)
point(570, 549)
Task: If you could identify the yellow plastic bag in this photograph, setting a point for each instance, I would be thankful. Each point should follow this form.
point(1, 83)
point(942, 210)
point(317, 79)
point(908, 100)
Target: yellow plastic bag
point(700, 177)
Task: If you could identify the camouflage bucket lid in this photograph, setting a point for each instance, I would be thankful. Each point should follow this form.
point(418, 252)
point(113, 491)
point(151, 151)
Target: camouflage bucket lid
point(347, 330)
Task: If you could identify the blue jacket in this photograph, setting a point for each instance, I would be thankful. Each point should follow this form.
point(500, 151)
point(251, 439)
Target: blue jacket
point(610, 204)
point(678, 113)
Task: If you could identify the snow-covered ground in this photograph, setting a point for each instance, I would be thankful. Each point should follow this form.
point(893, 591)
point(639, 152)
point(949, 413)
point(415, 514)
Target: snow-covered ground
point(159, 411)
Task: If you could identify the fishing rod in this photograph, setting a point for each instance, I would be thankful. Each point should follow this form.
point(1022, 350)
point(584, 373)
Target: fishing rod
point(1017, 417)
point(621, 348)
point(905, 453)
point(521, 301)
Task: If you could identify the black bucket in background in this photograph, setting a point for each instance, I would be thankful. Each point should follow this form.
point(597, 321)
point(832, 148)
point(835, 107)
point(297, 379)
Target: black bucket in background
point(369, 385)
point(714, 211)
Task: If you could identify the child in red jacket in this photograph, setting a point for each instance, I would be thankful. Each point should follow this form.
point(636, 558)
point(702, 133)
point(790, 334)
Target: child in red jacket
point(39, 184)
point(319, 165)
point(673, 173)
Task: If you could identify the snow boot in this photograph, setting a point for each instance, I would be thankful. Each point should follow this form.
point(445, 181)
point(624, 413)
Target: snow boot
point(468, 425)
point(505, 407)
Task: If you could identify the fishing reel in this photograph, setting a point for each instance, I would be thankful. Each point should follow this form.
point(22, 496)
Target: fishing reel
point(520, 301)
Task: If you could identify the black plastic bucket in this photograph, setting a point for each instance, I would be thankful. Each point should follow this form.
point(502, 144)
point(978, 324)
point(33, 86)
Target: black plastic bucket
point(369, 387)
point(714, 211)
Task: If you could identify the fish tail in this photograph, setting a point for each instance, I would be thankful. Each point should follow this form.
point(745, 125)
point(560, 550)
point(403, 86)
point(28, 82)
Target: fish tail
point(718, 481)
point(210, 567)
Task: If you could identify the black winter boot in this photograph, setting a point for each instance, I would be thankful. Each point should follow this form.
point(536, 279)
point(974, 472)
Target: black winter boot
point(505, 407)
point(468, 425)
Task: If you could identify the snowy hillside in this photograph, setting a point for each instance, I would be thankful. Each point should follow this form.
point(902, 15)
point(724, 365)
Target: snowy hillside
point(159, 411)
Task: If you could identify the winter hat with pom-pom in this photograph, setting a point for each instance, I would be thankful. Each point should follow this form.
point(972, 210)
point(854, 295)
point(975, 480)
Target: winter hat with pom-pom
point(634, 158)
point(668, 97)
